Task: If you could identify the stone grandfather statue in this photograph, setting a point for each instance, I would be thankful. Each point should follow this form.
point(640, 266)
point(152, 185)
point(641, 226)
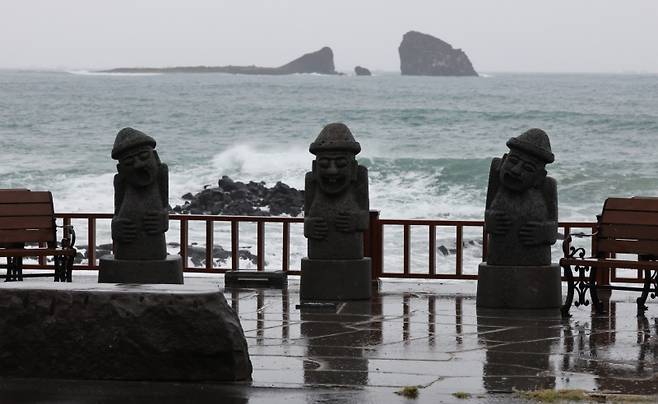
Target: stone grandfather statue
point(141, 215)
point(140, 198)
point(336, 213)
point(521, 208)
point(521, 223)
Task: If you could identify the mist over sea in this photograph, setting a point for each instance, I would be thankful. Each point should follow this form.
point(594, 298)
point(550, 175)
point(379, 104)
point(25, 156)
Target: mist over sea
point(427, 141)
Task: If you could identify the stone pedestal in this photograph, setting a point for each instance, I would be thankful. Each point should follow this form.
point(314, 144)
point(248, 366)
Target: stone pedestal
point(120, 332)
point(112, 270)
point(335, 279)
point(519, 287)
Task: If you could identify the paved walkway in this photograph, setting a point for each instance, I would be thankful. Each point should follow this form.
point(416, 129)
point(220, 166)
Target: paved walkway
point(425, 334)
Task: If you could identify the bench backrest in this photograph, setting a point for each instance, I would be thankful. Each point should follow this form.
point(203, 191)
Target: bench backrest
point(26, 217)
point(628, 225)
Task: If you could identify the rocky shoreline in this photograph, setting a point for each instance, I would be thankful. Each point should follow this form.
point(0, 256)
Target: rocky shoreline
point(237, 198)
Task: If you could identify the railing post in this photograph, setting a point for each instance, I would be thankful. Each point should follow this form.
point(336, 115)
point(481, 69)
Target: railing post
point(285, 261)
point(459, 244)
point(210, 243)
point(373, 245)
point(406, 249)
point(91, 242)
point(235, 245)
point(260, 246)
point(183, 241)
point(432, 249)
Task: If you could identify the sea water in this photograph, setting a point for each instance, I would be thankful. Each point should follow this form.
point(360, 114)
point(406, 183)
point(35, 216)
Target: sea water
point(427, 141)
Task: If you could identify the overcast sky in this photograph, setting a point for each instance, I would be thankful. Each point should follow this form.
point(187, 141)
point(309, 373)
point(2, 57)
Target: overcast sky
point(497, 35)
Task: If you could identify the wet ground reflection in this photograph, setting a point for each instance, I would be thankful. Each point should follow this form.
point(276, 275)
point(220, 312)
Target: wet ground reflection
point(433, 336)
point(410, 334)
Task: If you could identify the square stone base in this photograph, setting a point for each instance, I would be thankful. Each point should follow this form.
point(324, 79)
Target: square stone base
point(335, 279)
point(168, 270)
point(519, 287)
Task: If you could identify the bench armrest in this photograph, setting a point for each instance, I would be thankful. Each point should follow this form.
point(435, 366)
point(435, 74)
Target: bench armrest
point(68, 242)
point(570, 251)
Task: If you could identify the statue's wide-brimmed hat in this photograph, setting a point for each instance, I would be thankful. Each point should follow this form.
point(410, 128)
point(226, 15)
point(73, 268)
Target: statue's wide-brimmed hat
point(535, 142)
point(335, 137)
point(129, 138)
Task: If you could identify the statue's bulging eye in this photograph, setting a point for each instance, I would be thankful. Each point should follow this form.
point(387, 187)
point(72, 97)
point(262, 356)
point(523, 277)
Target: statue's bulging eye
point(128, 161)
point(324, 163)
point(529, 168)
point(144, 155)
point(340, 163)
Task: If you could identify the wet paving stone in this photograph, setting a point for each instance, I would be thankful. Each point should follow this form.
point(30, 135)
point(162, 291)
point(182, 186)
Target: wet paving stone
point(426, 334)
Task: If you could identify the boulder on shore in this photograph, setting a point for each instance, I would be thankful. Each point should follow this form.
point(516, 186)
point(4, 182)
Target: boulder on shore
point(362, 71)
point(237, 198)
point(425, 55)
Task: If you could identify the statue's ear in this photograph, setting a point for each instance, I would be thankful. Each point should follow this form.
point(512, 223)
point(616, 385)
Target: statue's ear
point(541, 176)
point(314, 167)
point(355, 170)
point(157, 158)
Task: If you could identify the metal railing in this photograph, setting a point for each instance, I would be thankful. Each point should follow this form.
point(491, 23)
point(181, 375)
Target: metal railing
point(373, 243)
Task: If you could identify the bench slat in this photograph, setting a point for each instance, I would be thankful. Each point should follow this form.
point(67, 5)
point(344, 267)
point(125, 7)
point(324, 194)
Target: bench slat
point(629, 217)
point(25, 197)
point(610, 263)
point(35, 252)
point(632, 231)
point(25, 209)
point(632, 204)
point(26, 222)
point(19, 236)
point(644, 247)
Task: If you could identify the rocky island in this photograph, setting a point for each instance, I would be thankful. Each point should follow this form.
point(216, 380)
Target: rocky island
point(321, 62)
point(425, 55)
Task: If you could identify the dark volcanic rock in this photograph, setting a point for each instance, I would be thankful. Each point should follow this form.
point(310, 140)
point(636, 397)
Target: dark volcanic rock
point(362, 71)
point(425, 55)
point(251, 199)
point(321, 61)
point(220, 255)
point(120, 332)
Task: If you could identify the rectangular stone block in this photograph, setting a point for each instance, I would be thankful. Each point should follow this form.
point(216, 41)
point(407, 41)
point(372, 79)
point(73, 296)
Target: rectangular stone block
point(124, 332)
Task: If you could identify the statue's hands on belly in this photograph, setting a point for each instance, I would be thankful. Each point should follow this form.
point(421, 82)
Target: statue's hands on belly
point(315, 227)
point(124, 230)
point(345, 222)
point(497, 221)
point(536, 233)
point(156, 222)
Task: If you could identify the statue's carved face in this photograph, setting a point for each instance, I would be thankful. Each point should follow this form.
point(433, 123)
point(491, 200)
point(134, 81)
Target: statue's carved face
point(139, 167)
point(521, 170)
point(334, 171)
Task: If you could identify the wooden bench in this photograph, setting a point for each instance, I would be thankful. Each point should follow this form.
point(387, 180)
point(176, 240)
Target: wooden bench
point(28, 229)
point(626, 226)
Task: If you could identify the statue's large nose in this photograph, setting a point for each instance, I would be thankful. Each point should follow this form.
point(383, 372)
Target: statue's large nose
point(332, 169)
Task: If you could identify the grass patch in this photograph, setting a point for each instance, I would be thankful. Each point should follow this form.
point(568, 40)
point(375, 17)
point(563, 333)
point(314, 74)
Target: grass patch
point(408, 392)
point(552, 396)
point(461, 395)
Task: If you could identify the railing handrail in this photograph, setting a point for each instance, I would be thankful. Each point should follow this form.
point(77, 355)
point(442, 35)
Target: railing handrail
point(373, 241)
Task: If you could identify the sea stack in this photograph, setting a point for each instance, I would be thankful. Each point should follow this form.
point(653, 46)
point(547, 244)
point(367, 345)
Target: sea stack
point(425, 55)
point(362, 71)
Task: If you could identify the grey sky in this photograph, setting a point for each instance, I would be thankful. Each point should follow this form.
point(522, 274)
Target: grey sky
point(498, 35)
